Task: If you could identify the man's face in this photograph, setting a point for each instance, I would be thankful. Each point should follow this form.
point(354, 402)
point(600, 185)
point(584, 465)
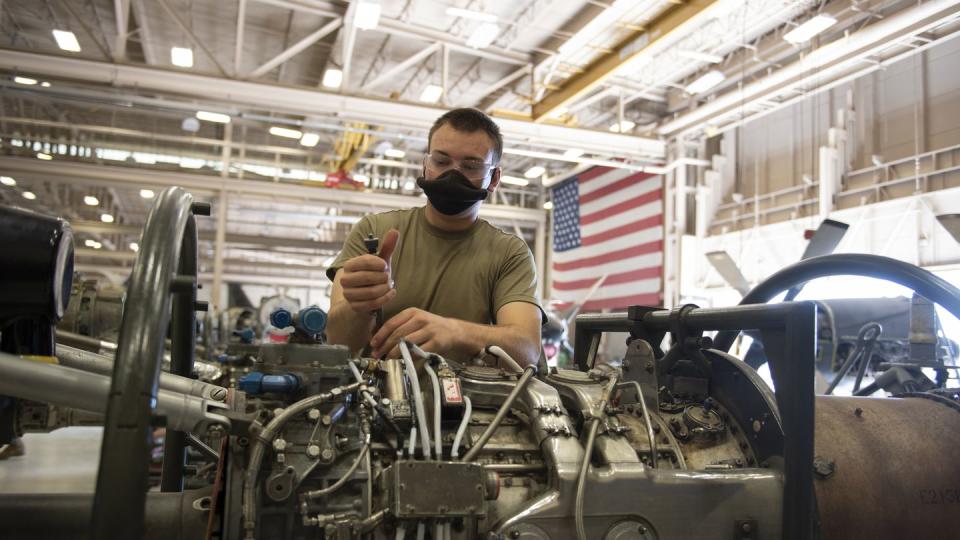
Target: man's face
point(456, 146)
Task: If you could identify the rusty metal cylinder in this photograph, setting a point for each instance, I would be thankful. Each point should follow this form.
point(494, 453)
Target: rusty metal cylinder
point(887, 468)
point(393, 386)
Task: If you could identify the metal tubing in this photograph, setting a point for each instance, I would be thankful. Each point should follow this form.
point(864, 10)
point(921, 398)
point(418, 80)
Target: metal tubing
point(588, 452)
point(646, 419)
point(69, 387)
point(507, 403)
point(103, 364)
point(118, 509)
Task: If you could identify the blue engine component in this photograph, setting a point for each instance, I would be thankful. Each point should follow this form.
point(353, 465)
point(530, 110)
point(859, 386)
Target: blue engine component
point(311, 320)
point(256, 383)
point(246, 335)
point(281, 318)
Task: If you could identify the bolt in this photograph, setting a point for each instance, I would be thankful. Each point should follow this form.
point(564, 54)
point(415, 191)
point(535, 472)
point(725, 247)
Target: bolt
point(218, 394)
point(313, 451)
point(327, 454)
point(648, 366)
point(326, 420)
point(313, 414)
point(514, 534)
point(279, 445)
point(746, 528)
point(641, 529)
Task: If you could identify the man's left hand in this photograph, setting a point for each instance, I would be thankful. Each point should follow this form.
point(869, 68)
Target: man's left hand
point(430, 332)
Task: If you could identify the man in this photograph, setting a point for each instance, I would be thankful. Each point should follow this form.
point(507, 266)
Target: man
point(446, 280)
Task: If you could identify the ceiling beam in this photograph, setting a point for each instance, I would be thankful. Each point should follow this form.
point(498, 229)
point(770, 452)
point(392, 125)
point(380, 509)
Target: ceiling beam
point(121, 12)
point(297, 48)
point(238, 39)
point(402, 66)
point(143, 30)
point(193, 37)
point(298, 100)
point(606, 66)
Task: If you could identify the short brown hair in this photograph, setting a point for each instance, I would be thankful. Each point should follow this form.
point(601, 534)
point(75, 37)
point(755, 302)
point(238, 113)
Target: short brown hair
point(471, 120)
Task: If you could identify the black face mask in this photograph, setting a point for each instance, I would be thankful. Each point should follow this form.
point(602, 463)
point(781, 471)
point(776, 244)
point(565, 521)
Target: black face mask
point(451, 193)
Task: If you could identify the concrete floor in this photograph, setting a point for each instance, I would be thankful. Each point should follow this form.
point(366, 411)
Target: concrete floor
point(62, 461)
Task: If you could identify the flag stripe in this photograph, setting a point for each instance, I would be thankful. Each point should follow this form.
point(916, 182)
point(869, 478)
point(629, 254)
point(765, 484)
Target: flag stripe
point(615, 279)
point(629, 192)
point(613, 291)
point(643, 206)
point(604, 180)
point(595, 172)
point(613, 187)
point(651, 299)
point(619, 247)
point(618, 232)
point(642, 249)
point(615, 267)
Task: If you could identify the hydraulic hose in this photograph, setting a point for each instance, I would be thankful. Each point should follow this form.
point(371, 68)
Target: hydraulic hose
point(467, 410)
point(504, 409)
point(504, 357)
point(317, 493)
point(417, 399)
point(437, 436)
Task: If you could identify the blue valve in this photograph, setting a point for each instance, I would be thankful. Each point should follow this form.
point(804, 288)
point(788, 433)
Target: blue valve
point(281, 318)
point(246, 335)
point(256, 383)
point(311, 320)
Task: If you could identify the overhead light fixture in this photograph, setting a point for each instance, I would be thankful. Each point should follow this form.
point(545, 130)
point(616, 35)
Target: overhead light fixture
point(367, 16)
point(535, 171)
point(431, 94)
point(145, 158)
point(191, 163)
point(286, 132)
point(395, 153)
point(573, 153)
point(219, 118)
point(29, 195)
point(310, 139)
point(45, 84)
point(106, 218)
point(43, 156)
point(181, 56)
point(623, 127)
point(66, 40)
point(91, 243)
point(483, 35)
point(702, 56)
point(147, 193)
point(25, 80)
point(705, 82)
point(7, 181)
point(548, 205)
point(807, 30)
point(332, 78)
point(514, 181)
point(470, 14)
point(90, 200)
point(134, 246)
point(362, 178)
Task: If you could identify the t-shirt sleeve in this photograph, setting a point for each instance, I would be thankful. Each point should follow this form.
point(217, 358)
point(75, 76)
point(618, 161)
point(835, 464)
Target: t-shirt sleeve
point(353, 246)
point(517, 280)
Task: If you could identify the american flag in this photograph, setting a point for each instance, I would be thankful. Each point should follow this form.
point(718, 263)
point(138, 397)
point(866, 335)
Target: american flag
point(608, 222)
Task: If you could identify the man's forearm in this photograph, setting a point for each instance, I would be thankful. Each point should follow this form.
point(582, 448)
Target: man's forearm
point(347, 327)
point(473, 338)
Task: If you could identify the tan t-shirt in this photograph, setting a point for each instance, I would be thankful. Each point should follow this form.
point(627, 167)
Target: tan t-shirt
point(467, 275)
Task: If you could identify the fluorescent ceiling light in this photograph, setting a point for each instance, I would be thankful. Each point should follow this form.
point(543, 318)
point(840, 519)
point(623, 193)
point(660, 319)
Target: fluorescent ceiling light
point(147, 193)
point(548, 205)
point(483, 35)
point(535, 171)
point(623, 127)
point(362, 178)
point(146, 159)
point(310, 139)
point(7, 181)
point(470, 14)
point(134, 246)
point(332, 78)
point(90, 200)
point(181, 56)
point(597, 26)
point(431, 94)
point(219, 118)
point(91, 243)
point(45, 84)
point(66, 40)
point(514, 181)
point(367, 16)
point(807, 30)
point(573, 153)
point(286, 132)
point(29, 195)
point(44, 157)
point(25, 80)
point(106, 218)
point(705, 82)
point(192, 163)
point(702, 56)
point(395, 153)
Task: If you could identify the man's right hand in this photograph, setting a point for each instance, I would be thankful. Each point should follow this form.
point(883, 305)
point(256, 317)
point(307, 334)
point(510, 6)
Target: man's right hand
point(365, 280)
